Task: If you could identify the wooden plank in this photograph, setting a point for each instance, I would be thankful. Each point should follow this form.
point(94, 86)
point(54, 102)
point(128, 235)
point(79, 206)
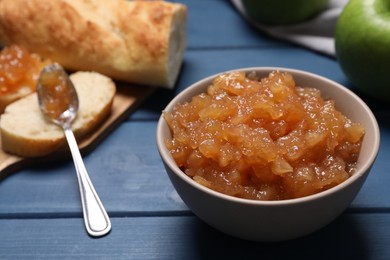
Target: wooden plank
point(375, 192)
point(129, 176)
point(352, 236)
point(220, 25)
point(126, 171)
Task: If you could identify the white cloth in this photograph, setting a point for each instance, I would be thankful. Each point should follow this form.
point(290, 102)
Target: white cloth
point(316, 33)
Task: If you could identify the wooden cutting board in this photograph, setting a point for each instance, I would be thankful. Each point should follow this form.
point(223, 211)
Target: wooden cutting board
point(126, 99)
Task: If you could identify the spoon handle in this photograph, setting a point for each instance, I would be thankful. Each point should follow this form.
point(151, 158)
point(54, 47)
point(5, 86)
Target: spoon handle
point(96, 219)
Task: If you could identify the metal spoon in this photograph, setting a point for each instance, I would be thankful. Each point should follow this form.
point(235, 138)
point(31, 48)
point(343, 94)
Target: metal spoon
point(58, 101)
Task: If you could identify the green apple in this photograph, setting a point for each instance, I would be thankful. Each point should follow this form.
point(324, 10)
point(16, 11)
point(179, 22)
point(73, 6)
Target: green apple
point(282, 12)
point(362, 41)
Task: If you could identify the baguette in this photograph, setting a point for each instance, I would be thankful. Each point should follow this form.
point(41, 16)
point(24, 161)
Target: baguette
point(135, 41)
point(26, 132)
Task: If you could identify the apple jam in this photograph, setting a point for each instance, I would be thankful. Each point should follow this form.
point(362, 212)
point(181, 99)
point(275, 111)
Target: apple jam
point(19, 69)
point(263, 139)
point(56, 93)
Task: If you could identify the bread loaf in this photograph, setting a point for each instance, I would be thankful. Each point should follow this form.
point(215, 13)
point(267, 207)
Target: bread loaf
point(136, 41)
point(25, 131)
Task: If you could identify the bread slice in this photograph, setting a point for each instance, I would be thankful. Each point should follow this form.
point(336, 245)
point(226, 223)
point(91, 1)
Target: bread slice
point(6, 99)
point(136, 41)
point(26, 132)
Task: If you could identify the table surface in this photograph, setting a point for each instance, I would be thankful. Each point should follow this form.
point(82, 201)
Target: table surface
point(40, 210)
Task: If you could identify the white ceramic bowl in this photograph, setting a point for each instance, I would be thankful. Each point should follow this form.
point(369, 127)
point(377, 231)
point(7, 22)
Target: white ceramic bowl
point(275, 220)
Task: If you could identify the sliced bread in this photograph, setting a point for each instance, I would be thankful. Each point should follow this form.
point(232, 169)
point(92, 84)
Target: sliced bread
point(6, 99)
point(26, 132)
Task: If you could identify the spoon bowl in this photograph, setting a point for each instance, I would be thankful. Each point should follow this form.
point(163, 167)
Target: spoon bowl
point(59, 103)
point(57, 96)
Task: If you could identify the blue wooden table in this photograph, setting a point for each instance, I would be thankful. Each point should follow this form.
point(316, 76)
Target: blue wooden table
point(40, 210)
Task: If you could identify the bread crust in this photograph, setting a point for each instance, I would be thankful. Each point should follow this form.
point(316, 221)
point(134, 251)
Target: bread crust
point(136, 41)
